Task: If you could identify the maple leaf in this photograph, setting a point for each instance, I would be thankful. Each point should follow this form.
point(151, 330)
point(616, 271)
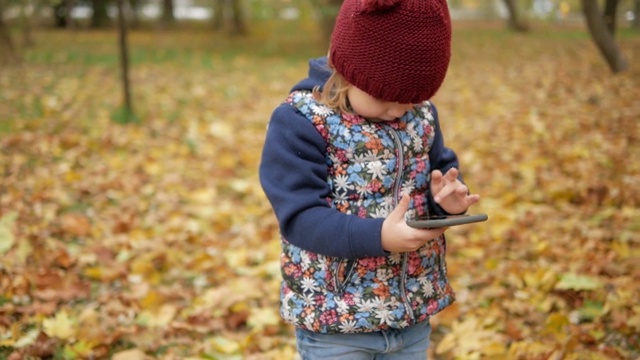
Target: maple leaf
point(7, 239)
point(60, 326)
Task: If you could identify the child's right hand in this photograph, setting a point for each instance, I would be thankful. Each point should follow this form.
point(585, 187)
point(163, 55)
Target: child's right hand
point(397, 236)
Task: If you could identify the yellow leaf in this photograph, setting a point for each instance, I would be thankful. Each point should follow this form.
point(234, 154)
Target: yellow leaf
point(93, 272)
point(227, 160)
point(23, 250)
point(152, 168)
point(261, 318)
point(222, 130)
point(494, 350)
point(448, 343)
point(556, 324)
point(203, 196)
point(634, 321)
point(224, 345)
point(163, 316)
point(152, 300)
point(6, 234)
point(59, 326)
point(132, 354)
point(28, 339)
point(79, 349)
point(527, 350)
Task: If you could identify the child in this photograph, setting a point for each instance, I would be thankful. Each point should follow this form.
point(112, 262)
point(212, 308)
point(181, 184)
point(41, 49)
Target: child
point(354, 151)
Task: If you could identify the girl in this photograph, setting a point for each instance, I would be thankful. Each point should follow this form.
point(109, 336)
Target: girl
point(354, 151)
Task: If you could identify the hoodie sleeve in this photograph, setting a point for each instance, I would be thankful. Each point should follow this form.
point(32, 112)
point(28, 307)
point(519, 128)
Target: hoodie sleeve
point(293, 174)
point(441, 158)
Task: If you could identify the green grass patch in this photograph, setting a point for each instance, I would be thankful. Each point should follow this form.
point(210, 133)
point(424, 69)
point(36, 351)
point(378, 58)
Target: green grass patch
point(124, 116)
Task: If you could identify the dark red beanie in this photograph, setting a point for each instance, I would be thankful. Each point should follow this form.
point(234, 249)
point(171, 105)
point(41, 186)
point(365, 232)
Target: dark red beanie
point(394, 50)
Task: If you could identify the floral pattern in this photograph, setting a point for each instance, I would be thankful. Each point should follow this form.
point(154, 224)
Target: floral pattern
point(370, 164)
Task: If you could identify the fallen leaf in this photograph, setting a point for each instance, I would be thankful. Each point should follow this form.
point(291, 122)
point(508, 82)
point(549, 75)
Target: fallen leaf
point(75, 224)
point(7, 239)
point(572, 281)
point(60, 326)
point(132, 354)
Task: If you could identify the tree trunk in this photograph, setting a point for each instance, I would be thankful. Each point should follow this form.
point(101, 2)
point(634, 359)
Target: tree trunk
point(218, 14)
point(238, 24)
point(25, 21)
point(514, 22)
point(7, 51)
point(124, 62)
point(610, 8)
point(602, 37)
point(233, 8)
point(135, 9)
point(168, 17)
point(636, 13)
point(69, 22)
point(100, 18)
point(329, 10)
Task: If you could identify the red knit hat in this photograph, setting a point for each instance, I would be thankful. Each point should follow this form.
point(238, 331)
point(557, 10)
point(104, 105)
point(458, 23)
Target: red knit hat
point(394, 50)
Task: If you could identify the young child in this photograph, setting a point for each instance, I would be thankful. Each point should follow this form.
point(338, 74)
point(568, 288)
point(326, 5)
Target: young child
point(354, 151)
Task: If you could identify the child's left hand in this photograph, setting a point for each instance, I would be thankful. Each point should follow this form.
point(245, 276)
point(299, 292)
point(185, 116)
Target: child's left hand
point(450, 193)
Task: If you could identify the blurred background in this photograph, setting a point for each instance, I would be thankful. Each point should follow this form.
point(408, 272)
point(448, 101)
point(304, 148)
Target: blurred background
point(133, 225)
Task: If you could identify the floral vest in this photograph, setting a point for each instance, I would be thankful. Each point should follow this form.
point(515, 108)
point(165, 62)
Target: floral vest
point(370, 164)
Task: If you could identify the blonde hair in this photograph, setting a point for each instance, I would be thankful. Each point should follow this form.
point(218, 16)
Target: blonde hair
point(334, 92)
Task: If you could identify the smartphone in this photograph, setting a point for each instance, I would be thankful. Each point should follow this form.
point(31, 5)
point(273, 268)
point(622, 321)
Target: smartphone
point(434, 222)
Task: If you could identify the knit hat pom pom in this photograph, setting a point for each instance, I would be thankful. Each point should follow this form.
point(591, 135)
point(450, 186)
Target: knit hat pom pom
point(372, 6)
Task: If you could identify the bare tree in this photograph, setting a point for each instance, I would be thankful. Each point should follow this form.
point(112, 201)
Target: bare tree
point(218, 14)
point(610, 8)
point(168, 18)
point(603, 37)
point(234, 8)
point(514, 22)
point(7, 50)
point(100, 17)
point(25, 23)
point(328, 10)
point(237, 16)
point(636, 14)
point(69, 21)
point(124, 61)
point(135, 16)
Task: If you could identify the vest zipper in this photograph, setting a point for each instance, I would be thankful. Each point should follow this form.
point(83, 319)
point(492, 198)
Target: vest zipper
point(396, 198)
point(349, 266)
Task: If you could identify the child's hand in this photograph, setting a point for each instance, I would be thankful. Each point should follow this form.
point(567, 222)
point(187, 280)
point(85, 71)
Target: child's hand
point(397, 236)
point(450, 193)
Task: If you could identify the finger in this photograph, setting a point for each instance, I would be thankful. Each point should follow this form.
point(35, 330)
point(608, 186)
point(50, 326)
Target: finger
point(436, 176)
point(402, 207)
point(452, 174)
point(462, 190)
point(445, 191)
point(436, 182)
point(434, 233)
point(472, 199)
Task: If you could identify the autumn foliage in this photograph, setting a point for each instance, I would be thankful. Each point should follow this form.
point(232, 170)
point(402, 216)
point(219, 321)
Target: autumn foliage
point(154, 241)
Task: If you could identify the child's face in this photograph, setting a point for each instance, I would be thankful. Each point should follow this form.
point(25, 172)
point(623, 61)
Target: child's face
point(373, 109)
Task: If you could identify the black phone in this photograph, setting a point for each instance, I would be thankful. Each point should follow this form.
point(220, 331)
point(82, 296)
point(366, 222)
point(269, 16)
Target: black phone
point(434, 222)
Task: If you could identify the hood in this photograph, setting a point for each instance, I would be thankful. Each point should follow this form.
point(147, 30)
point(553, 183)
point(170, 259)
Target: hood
point(319, 72)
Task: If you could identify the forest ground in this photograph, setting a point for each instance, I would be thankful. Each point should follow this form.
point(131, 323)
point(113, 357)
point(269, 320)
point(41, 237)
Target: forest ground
point(153, 239)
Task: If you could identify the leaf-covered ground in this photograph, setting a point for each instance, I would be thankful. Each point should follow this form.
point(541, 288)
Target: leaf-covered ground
point(154, 240)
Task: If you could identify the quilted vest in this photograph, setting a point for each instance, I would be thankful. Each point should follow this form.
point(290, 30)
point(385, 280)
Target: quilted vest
point(370, 164)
